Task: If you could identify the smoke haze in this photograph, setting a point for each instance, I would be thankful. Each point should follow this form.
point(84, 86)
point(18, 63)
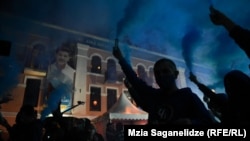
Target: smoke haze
point(179, 28)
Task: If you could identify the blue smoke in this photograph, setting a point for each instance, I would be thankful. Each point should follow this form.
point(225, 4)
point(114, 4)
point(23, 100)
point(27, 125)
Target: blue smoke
point(132, 15)
point(54, 99)
point(189, 44)
point(10, 70)
point(157, 26)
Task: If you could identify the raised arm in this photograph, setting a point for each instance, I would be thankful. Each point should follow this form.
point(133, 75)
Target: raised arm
point(240, 35)
point(218, 18)
point(142, 92)
point(205, 90)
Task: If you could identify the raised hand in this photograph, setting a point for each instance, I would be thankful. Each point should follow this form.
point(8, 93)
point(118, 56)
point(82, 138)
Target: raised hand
point(116, 51)
point(218, 18)
point(193, 78)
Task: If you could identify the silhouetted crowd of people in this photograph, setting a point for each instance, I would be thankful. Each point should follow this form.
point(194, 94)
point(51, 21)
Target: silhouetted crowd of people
point(28, 127)
point(114, 131)
point(169, 104)
point(166, 105)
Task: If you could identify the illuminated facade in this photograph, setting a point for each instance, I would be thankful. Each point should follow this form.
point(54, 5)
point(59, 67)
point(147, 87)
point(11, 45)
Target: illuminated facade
point(98, 82)
point(98, 78)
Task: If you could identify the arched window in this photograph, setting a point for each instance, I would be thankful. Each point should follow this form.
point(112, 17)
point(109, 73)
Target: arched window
point(96, 64)
point(141, 72)
point(151, 76)
point(36, 58)
point(111, 75)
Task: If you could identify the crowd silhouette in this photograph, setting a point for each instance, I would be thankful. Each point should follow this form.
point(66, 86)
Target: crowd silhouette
point(167, 105)
point(28, 127)
point(231, 107)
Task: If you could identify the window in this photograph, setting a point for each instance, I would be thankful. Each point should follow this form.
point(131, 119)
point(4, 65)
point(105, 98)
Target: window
point(95, 99)
point(141, 72)
point(96, 64)
point(150, 80)
point(111, 75)
point(36, 58)
point(32, 90)
point(111, 97)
